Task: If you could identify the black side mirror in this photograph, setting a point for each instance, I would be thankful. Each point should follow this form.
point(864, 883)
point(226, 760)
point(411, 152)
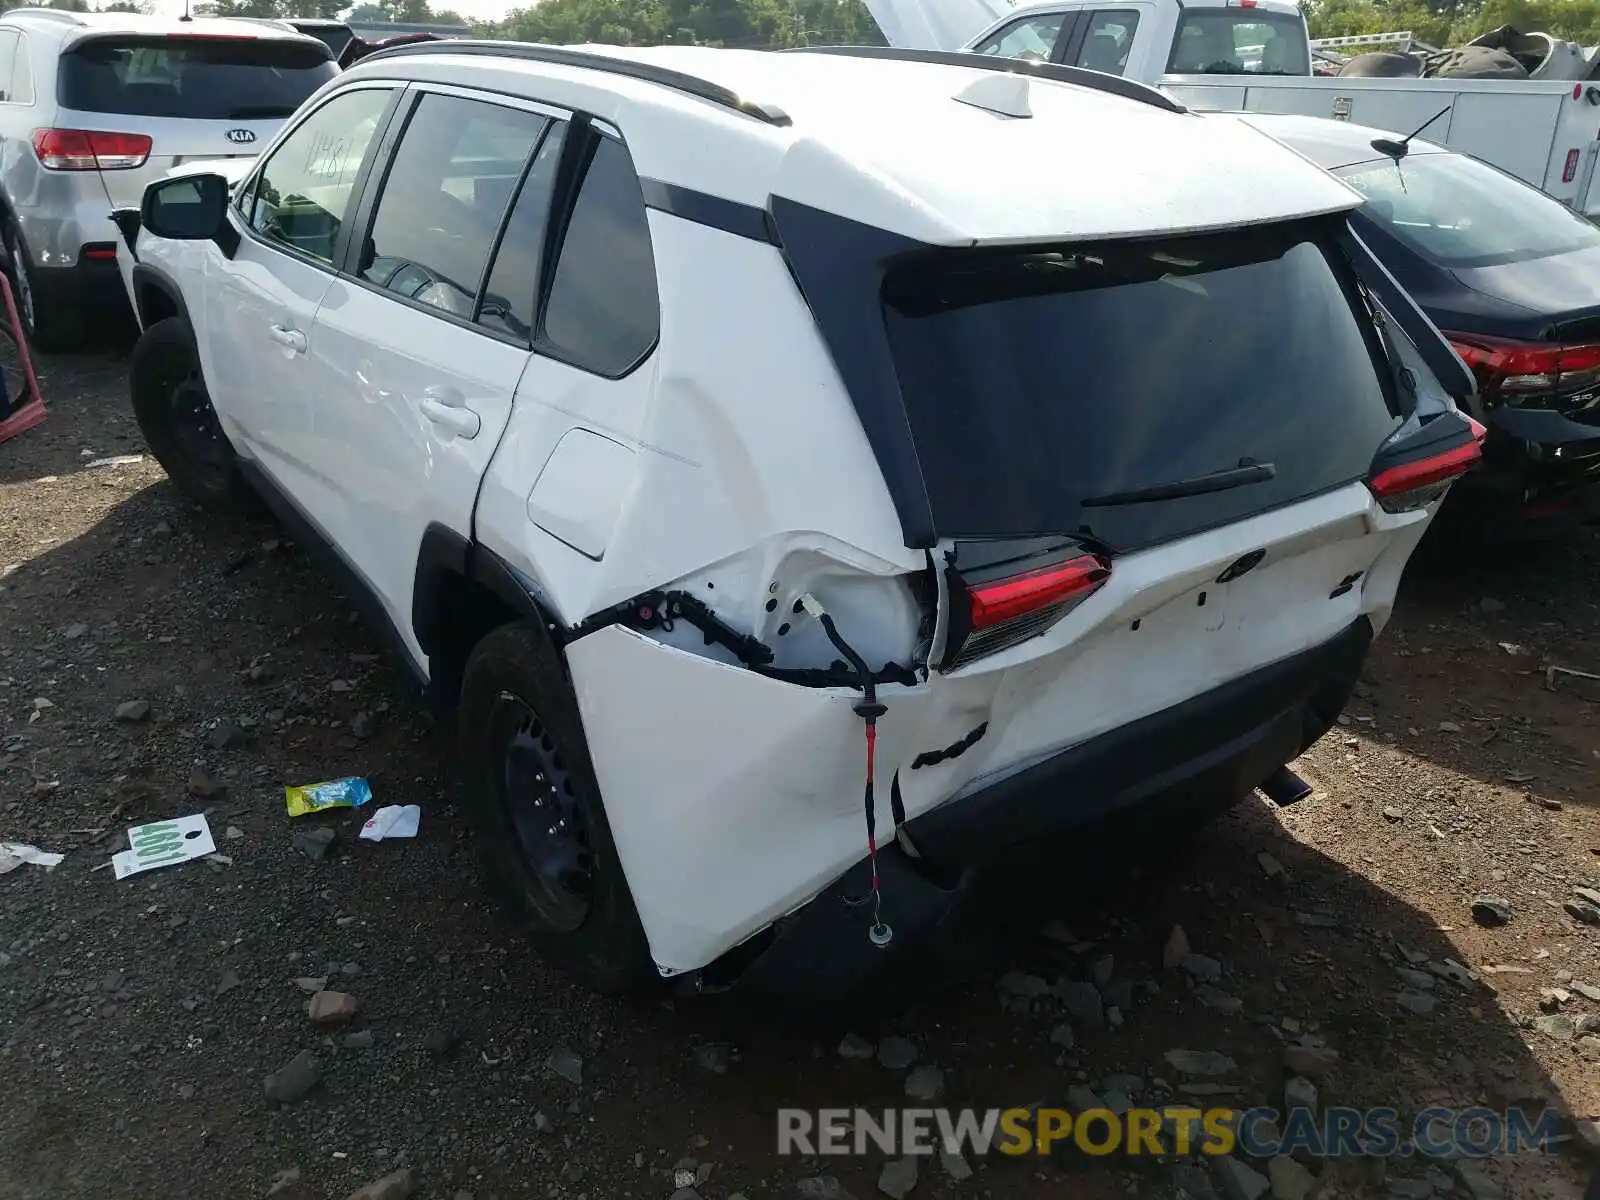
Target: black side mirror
point(190, 208)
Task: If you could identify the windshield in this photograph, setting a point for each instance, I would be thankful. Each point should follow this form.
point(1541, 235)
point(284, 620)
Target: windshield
point(1240, 41)
point(1458, 212)
point(1037, 382)
point(199, 78)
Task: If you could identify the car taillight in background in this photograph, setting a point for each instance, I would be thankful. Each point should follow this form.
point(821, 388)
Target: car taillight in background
point(1513, 372)
point(1008, 606)
point(1412, 475)
point(90, 150)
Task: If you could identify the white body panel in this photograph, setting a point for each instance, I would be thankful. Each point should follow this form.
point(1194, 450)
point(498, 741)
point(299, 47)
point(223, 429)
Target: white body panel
point(707, 474)
point(258, 311)
point(756, 762)
point(404, 411)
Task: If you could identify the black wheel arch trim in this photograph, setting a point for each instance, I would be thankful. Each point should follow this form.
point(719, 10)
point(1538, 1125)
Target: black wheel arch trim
point(445, 555)
point(145, 275)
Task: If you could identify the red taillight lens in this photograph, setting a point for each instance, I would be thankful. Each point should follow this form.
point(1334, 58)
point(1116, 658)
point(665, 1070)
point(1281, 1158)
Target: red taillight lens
point(90, 150)
point(1000, 613)
point(1507, 370)
point(1570, 171)
point(1007, 599)
point(1421, 481)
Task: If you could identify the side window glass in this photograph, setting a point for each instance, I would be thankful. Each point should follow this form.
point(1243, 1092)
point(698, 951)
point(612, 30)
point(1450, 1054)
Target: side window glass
point(8, 56)
point(1031, 37)
point(1108, 40)
point(446, 190)
point(604, 312)
point(513, 291)
point(301, 194)
point(21, 89)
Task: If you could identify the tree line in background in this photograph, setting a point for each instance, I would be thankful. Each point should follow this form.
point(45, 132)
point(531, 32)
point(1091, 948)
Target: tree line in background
point(780, 24)
point(1452, 22)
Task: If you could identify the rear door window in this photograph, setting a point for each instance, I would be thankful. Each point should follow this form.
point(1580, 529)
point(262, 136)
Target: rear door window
point(446, 191)
point(196, 78)
point(513, 291)
point(1041, 386)
point(1108, 39)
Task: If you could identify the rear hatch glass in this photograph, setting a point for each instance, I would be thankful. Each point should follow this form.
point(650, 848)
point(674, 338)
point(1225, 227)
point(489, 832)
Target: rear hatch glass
point(1043, 385)
point(1239, 41)
point(193, 78)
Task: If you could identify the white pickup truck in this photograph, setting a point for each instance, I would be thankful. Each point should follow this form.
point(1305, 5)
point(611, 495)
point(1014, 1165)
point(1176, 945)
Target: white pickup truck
point(1256, 56)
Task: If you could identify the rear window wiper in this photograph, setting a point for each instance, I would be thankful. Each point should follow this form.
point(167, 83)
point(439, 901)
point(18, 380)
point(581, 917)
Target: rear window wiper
point(1247, 472)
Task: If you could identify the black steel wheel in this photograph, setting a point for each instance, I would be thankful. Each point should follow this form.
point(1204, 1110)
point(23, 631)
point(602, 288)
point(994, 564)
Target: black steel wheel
point(541, 804)
point(531, 794)
point(178, 421)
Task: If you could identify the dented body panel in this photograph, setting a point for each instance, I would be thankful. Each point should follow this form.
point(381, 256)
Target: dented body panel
point(763, 808)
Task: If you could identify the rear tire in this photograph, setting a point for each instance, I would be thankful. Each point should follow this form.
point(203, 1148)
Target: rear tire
point(533, 800)
point(51, 325)
point(179, 425)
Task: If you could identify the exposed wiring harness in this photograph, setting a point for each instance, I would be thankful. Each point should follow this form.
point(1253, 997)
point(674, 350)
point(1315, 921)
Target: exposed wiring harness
point(869, 710)
point(663, 609)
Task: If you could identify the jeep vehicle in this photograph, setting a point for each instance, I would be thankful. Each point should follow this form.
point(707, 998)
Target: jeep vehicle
point(95, 106)
point(805, 476)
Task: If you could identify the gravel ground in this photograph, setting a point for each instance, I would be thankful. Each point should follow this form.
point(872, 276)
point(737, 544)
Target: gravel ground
point(140, 1020)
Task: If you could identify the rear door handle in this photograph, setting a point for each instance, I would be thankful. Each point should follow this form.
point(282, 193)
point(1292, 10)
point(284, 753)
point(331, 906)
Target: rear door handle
point(448, 410)
point(291, 338)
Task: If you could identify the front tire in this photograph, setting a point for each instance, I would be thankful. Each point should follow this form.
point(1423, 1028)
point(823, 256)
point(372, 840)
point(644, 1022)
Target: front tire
point(174, 412)
point(50, 325)
point(535, 805)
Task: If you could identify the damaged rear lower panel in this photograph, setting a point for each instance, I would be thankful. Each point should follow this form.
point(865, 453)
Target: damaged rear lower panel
point(735, 797)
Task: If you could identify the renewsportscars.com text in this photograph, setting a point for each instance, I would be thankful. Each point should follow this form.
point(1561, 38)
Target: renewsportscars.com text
point(1257, 1132)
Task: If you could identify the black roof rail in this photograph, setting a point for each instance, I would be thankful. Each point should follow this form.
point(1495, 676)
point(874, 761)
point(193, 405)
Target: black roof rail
point(678, 81)
point(1081, 76)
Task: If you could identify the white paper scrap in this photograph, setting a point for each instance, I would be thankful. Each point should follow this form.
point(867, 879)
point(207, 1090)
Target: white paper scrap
point(393, 821)
point(162, 843)
point(14, 854)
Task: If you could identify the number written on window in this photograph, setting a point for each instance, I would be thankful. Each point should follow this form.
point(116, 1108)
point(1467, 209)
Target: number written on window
point(300, 197)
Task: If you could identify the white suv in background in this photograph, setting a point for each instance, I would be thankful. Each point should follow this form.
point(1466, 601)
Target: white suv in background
point(807, 476)
point(95, 106)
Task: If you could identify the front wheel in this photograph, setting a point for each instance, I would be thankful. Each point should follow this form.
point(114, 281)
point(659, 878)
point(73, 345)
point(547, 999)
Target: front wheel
point(174, 412)
point(534, 802)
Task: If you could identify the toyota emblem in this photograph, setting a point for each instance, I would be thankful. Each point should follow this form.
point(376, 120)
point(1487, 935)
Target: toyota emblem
point(241, 137)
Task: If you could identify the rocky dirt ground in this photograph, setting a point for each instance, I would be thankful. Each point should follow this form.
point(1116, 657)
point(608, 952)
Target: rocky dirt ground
point(147, 1024)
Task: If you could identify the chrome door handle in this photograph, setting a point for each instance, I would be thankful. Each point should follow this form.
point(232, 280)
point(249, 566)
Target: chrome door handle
point(448, 410)
point(291, 338)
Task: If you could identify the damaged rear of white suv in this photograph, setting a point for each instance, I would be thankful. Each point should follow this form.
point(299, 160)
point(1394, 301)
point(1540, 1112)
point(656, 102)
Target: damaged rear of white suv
point(836, 470)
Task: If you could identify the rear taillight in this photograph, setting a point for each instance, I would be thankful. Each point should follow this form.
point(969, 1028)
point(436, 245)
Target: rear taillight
point(1510, 371)
point(998, 613)
point(90, 150)
point(1428, 473)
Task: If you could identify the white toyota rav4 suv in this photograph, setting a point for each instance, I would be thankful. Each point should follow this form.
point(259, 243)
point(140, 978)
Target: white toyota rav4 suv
point(717, 431)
